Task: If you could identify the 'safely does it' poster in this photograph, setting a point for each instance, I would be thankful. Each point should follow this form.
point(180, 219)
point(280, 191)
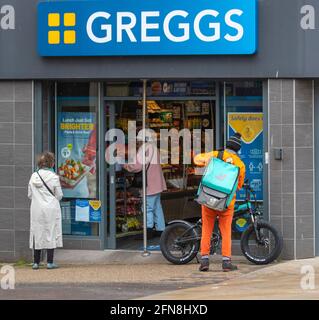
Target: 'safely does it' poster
point(250, 126)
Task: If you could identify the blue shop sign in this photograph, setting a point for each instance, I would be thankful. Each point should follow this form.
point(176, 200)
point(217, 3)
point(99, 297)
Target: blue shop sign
point(147, 27)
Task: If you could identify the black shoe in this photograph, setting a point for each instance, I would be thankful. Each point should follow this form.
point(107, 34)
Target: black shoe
point(228, 266)
point(204, 265)
point(157, 233)
point(150, 233)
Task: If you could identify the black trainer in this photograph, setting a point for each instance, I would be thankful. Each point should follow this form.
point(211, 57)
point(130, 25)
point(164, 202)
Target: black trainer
point(157, 234)
point(228, 266)
point(150, 233)
point(204, 265)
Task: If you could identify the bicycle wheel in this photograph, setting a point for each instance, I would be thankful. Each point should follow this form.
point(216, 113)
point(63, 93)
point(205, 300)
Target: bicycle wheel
point(267, 249)
point(179, 243)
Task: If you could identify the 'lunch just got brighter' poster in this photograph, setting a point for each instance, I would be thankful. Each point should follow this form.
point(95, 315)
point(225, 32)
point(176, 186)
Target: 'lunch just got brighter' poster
point(76, 154)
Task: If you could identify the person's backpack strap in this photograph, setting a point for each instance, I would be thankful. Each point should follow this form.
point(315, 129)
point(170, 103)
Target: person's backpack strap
point(45, 185)
point(220, 155)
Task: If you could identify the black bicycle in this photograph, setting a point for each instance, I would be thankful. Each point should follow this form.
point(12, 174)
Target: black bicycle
point(260, 243)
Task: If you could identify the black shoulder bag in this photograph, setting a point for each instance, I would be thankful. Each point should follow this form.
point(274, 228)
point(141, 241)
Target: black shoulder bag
point(46, 185)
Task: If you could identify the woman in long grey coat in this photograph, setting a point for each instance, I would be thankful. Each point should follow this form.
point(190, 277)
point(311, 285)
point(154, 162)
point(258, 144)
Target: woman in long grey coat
point(45, 193)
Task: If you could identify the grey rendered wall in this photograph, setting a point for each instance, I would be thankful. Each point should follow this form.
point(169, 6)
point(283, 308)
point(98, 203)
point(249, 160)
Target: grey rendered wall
point(15, 168)
point(316, 166)
point(291, 180)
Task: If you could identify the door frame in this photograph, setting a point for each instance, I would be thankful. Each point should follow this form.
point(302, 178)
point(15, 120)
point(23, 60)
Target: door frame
point(108, 175)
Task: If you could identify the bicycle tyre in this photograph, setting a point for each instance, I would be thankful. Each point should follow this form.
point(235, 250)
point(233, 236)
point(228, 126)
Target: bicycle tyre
point(275, 252)
point(164, 245)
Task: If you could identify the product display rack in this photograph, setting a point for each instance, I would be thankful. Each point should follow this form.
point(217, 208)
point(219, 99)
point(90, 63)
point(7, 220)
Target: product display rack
point(129, 218)
point(128, 206)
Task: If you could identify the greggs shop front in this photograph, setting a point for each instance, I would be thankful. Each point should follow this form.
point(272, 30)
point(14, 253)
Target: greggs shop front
point(81, 78)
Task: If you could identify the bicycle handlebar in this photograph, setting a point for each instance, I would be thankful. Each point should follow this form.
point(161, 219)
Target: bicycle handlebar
point(251, 190)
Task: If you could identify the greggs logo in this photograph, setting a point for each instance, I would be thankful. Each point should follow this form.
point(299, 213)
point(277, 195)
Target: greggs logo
point(61, 28)
point(147, 27)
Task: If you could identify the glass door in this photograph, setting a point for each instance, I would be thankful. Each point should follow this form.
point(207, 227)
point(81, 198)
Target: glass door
point(109, 177)
point(124, 209)
point(242, 112)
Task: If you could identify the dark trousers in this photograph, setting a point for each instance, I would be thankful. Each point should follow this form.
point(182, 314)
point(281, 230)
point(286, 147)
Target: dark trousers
point(37, 256)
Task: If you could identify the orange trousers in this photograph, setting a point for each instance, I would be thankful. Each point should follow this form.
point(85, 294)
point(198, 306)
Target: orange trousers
point(225, 226)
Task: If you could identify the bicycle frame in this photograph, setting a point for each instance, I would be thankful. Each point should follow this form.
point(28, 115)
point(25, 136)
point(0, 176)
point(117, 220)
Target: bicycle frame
point(239, 211)
point(185, 237)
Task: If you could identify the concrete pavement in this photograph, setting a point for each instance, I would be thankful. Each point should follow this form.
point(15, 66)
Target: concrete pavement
point(122, 276)
point(279, 281)
point(113, 275)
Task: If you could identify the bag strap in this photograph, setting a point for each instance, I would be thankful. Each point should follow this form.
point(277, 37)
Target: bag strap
point(46, 185)
point(149, 164)
point(220, 155)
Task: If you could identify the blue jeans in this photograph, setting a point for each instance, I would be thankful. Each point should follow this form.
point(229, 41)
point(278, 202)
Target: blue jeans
point(155, 213)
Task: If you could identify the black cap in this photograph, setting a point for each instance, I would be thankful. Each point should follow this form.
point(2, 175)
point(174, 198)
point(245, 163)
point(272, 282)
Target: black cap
point(234, 142)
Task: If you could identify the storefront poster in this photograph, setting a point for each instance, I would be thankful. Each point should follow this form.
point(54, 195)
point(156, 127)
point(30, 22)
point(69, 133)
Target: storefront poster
point(82, 211)
point(88, 211)
point(169, 88)
point(76, 153)
point(70, 225)
point(95, 211)
point(250, 126)
point(202, 88)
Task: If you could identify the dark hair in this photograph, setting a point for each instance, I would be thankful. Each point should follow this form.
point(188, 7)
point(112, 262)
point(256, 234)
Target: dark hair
point(46, 160)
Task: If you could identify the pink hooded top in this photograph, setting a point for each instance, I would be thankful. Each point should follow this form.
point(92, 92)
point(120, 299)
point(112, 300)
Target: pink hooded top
point(155, 178)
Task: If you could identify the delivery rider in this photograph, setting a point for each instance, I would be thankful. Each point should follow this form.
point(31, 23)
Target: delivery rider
point(233, 145)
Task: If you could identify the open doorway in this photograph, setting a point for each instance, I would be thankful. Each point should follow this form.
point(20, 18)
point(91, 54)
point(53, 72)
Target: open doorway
point(181, 181)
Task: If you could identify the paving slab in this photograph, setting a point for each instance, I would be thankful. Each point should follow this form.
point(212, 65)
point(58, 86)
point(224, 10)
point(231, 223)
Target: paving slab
point(289, 280)
point(88, 257)
point(116, 279)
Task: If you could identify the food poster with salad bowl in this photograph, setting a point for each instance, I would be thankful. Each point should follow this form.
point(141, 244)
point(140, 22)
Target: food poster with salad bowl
point(76, 154)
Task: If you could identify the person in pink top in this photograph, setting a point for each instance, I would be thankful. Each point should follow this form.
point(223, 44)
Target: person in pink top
point(155, 186)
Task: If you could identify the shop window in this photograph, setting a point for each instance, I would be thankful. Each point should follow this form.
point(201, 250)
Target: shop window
point(161, 88)
point(242, 111)
point(76, 153)
point(48, 115)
